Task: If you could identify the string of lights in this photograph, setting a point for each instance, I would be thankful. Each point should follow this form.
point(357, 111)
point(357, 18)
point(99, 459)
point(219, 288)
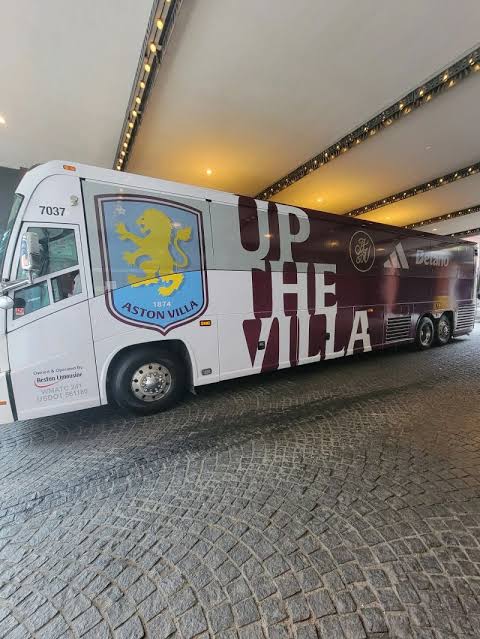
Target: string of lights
point(446, 216)
point(160, 25)
point(415, 190)
point(446, 79)
point(466, 233)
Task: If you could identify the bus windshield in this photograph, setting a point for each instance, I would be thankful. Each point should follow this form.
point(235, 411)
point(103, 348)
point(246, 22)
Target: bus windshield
point(17, 203)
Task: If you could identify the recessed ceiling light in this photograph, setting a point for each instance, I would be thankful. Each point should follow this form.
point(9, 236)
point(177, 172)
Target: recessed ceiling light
point(209, 171)
point(434, 229)
point(320, 199)
point(3, 122)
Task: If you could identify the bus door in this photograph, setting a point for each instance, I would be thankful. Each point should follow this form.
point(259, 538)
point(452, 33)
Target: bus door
point(50, 342)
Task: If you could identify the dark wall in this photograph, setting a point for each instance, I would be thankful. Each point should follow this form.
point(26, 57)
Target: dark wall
point(9, 179)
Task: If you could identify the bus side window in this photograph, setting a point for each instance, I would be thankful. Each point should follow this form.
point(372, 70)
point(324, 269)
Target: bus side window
point(30, 299)
point(66, 285)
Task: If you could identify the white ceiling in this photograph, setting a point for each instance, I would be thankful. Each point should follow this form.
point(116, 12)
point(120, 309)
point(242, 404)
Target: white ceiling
point(252, 89)
point(66, 71)
point(428, 142)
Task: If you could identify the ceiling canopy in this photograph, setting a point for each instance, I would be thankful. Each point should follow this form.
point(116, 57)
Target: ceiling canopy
point(248, 92)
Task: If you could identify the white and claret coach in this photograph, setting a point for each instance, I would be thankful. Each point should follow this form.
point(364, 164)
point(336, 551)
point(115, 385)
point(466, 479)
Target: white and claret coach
point(122, 288)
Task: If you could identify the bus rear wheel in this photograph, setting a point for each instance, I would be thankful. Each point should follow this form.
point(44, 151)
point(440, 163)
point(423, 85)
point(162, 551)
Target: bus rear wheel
point(425, 334)
point(147, 381)
point(443, 331)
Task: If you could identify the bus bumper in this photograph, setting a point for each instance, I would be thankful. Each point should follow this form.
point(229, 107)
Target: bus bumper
point(7, 406)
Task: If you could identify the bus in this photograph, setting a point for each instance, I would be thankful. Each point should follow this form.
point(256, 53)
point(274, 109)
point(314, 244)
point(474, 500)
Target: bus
point(131, 290)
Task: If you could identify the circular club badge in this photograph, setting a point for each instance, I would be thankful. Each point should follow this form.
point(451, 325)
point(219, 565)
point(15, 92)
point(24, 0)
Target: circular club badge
point(362, 251)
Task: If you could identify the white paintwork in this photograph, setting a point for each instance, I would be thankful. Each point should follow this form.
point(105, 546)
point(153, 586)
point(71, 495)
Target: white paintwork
point(62, 345)
point(54, 341)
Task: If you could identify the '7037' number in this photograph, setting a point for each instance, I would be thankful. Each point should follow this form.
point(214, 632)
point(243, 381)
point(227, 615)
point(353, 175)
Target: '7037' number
point(52, 210)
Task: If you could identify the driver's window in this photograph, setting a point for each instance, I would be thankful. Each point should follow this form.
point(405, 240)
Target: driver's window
point(59, 274)
point(58, 250)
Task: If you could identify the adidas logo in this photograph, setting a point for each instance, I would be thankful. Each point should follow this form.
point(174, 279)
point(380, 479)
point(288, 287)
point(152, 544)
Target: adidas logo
point(397, 258)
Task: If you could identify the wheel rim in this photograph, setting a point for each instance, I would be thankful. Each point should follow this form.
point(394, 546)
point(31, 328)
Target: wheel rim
point(151, 382)
point(426, 334)
point(444, 329)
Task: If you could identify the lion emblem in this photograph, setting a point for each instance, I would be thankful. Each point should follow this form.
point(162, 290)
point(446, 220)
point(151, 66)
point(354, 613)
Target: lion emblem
point(159, 267)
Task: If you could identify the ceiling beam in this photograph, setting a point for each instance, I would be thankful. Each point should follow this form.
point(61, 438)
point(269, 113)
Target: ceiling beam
point(436, 183)
point(445, 216)
point(447, 78)
point(465, 233)
point(159, 28)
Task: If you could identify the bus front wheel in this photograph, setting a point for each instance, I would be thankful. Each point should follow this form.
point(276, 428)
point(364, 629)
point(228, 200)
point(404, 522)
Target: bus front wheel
point(425, 333)
point(147, 380)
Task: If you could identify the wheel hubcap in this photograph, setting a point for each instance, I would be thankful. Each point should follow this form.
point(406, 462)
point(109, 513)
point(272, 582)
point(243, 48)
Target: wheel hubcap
point(426, 335)
point(151, 382)
point(444, 330)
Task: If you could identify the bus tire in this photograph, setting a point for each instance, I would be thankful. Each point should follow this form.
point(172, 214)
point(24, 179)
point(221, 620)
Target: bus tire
point(425, 336)
point(148, 380)
point(443, 330)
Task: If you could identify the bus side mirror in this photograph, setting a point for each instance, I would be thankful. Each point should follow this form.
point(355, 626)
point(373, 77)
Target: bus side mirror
point(30, 254)
point(6, 302)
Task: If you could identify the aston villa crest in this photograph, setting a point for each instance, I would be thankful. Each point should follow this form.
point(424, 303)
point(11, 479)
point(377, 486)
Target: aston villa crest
point(153, 260)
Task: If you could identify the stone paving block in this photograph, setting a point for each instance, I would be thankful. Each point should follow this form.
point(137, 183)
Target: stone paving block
point(330, 627)
point(254, 631)
point(131, 629)
point(192, 623)
point(246, 612)
point(120, 611)
point(352, 626)
point(152, 606)
point(297, 608)
point(41, 616)
point(321, 603)
point(76, 606)
point(182, 601)
point(239, 589)
point(55, 628)
point(272, 610)
point(221, 618)
point(19, 632)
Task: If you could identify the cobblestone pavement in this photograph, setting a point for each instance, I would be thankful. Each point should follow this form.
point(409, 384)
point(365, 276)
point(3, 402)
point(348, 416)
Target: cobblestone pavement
point(336, 500)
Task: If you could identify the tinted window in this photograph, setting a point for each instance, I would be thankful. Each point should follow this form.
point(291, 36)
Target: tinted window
point(30, 299)
point(66, 285)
